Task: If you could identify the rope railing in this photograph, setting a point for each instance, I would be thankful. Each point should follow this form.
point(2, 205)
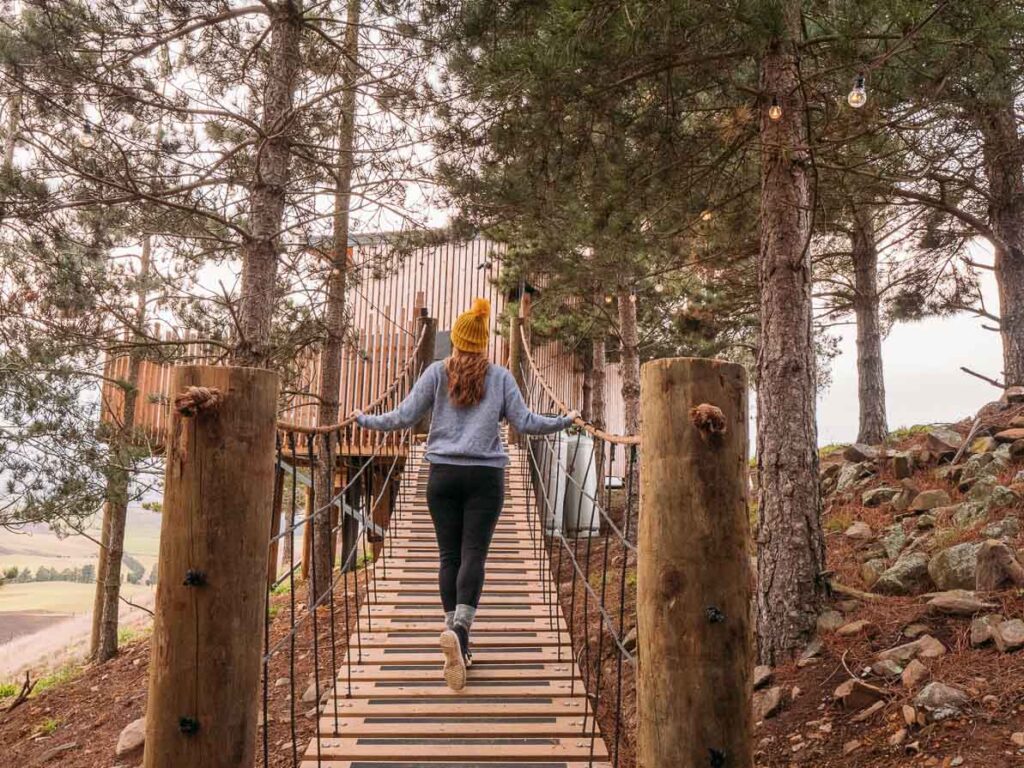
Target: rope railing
point(311, 650)
point(586, 516)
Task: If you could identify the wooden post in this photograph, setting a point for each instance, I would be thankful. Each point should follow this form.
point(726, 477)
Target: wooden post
point(275, 526)
point(425, 357)
point(693, 577)
point(515, 365)
point(307, 533)
point(205, 669)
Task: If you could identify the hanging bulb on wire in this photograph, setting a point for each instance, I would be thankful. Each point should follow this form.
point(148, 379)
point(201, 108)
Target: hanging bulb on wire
point(608, 299)
point(859, 95)
point(775, 110)
point(706, 215)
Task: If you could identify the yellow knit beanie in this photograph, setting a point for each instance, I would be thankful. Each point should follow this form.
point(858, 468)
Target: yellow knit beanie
point(472, 327)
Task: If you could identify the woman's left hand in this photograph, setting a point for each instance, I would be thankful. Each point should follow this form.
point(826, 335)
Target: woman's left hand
point(573, 415)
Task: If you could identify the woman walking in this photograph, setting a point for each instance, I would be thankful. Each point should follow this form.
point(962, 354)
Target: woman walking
point(466, 486)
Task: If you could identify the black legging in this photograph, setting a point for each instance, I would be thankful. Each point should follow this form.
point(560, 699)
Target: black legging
point(464, 502)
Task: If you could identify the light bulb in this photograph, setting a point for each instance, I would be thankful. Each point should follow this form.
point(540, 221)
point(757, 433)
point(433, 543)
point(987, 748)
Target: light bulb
point(87, 138)
point(706, 216)
point(659, 288)
point(775, 111)
point(608, 299)
point(858, 96)
point(632, 298)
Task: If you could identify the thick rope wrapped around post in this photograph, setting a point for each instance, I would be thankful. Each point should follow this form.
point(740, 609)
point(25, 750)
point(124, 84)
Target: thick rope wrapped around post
point(195, 399)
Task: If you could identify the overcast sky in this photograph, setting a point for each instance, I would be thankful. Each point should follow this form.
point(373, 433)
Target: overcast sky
point(923, 380)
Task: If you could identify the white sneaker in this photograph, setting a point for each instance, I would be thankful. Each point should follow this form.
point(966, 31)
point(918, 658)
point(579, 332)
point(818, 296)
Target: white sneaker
point(454, 661)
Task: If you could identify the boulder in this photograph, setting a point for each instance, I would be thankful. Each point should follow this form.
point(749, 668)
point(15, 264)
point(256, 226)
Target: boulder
point(858, 452)
point(941, 701)
point(942, 440)
point(1009, 635)
point(1002, 497)
point(894, 540)
point(767, 703)
point(762, 676)
point(906, 495)
point(958, 602)
point(1011, 435)
point(876, 497)
point(887, 668)
point(902, 465)
point(859, 531)
point(856, 694)
point(1017, 450)
point(914, 674)
point(982, 628)
point(916, 630)
point(925, 647)
point(859, 627)
point(828, 478)
point(871, 571)
point(930, 499)
point(997, 567)
point(1007, 528)
point(1013, 395)
point(851, 474)
point(983, 445)
point(907, 576)
point(954, 568)
point(830, 621)
point(966, 514)
point(925, 522)
point(132, 737)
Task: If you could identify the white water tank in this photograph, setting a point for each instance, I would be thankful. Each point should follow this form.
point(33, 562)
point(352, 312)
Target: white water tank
point(550, 468)
point(581, 515)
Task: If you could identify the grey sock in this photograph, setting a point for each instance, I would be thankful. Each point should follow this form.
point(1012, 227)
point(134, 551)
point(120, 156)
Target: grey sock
point(464, 615)
point(449, 619)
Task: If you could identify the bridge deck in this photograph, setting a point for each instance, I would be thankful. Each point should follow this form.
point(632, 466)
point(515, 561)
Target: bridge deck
point(524, 705)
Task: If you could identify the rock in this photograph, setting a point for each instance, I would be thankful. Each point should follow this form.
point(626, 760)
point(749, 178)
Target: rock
point(876, 497)
point(1017, 450)
point(132, 737)
point(860, 452)
point(902, 465)
point(958, 603)
point(954, 568)
point(965, 514)
point(942, 440)
point(1011, 435)
point(997, 567)
point(53, 752)
point(909, 715)
point(925, 522)
point(898, 738)
point(629, 641)
point(851, 474)
point(871, 571)
point(859, 531)
point(281, 682)
point(1007, 528)
point(983, 445)
point(894, 540)
point(915, 630)
point(1009, 635)
point(762, 676)
point(1017, 739)
point(1002, 496)
point(925, 647)
point(859, 627)
point(982, 628)
point(907, 576)
point(851, 746)
point(914, 673)
point(930, 499)
point(856, 694)
point(941, 701)
point(810, 653)
point(309, 695)
point(828, 477)
point(906, 495)
point(1019, 477)
point(767, 703)
point(887, 668)
point(1014, 394)
point(830, 621)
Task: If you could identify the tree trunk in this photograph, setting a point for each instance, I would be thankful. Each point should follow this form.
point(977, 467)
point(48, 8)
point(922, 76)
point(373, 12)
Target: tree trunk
point(630, 362)
point(269, 188)
point(870, 377)
point(597, 417)
point(101, 581)
point(118, 481)
point(330, 358)
point(587, 361)
point(1003, 152)
point(791, 547)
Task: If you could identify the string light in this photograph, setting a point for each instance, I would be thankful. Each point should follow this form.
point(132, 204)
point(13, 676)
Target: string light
point(87, 138)
point(659, 288)
point(632, 298)
point(775, 110)
point(706, 216)
point(859, 95)
point(608, 299)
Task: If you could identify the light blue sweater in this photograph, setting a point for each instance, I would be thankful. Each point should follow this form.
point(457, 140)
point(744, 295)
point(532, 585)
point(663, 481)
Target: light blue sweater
point(467, 436)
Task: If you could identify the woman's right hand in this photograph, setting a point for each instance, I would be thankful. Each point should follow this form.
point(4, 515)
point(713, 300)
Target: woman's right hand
point(573, 414)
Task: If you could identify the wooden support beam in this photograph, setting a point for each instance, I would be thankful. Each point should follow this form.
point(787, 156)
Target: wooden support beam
point(205, 669)
point(427, 325)
point(515, 365)
point(693, 578)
